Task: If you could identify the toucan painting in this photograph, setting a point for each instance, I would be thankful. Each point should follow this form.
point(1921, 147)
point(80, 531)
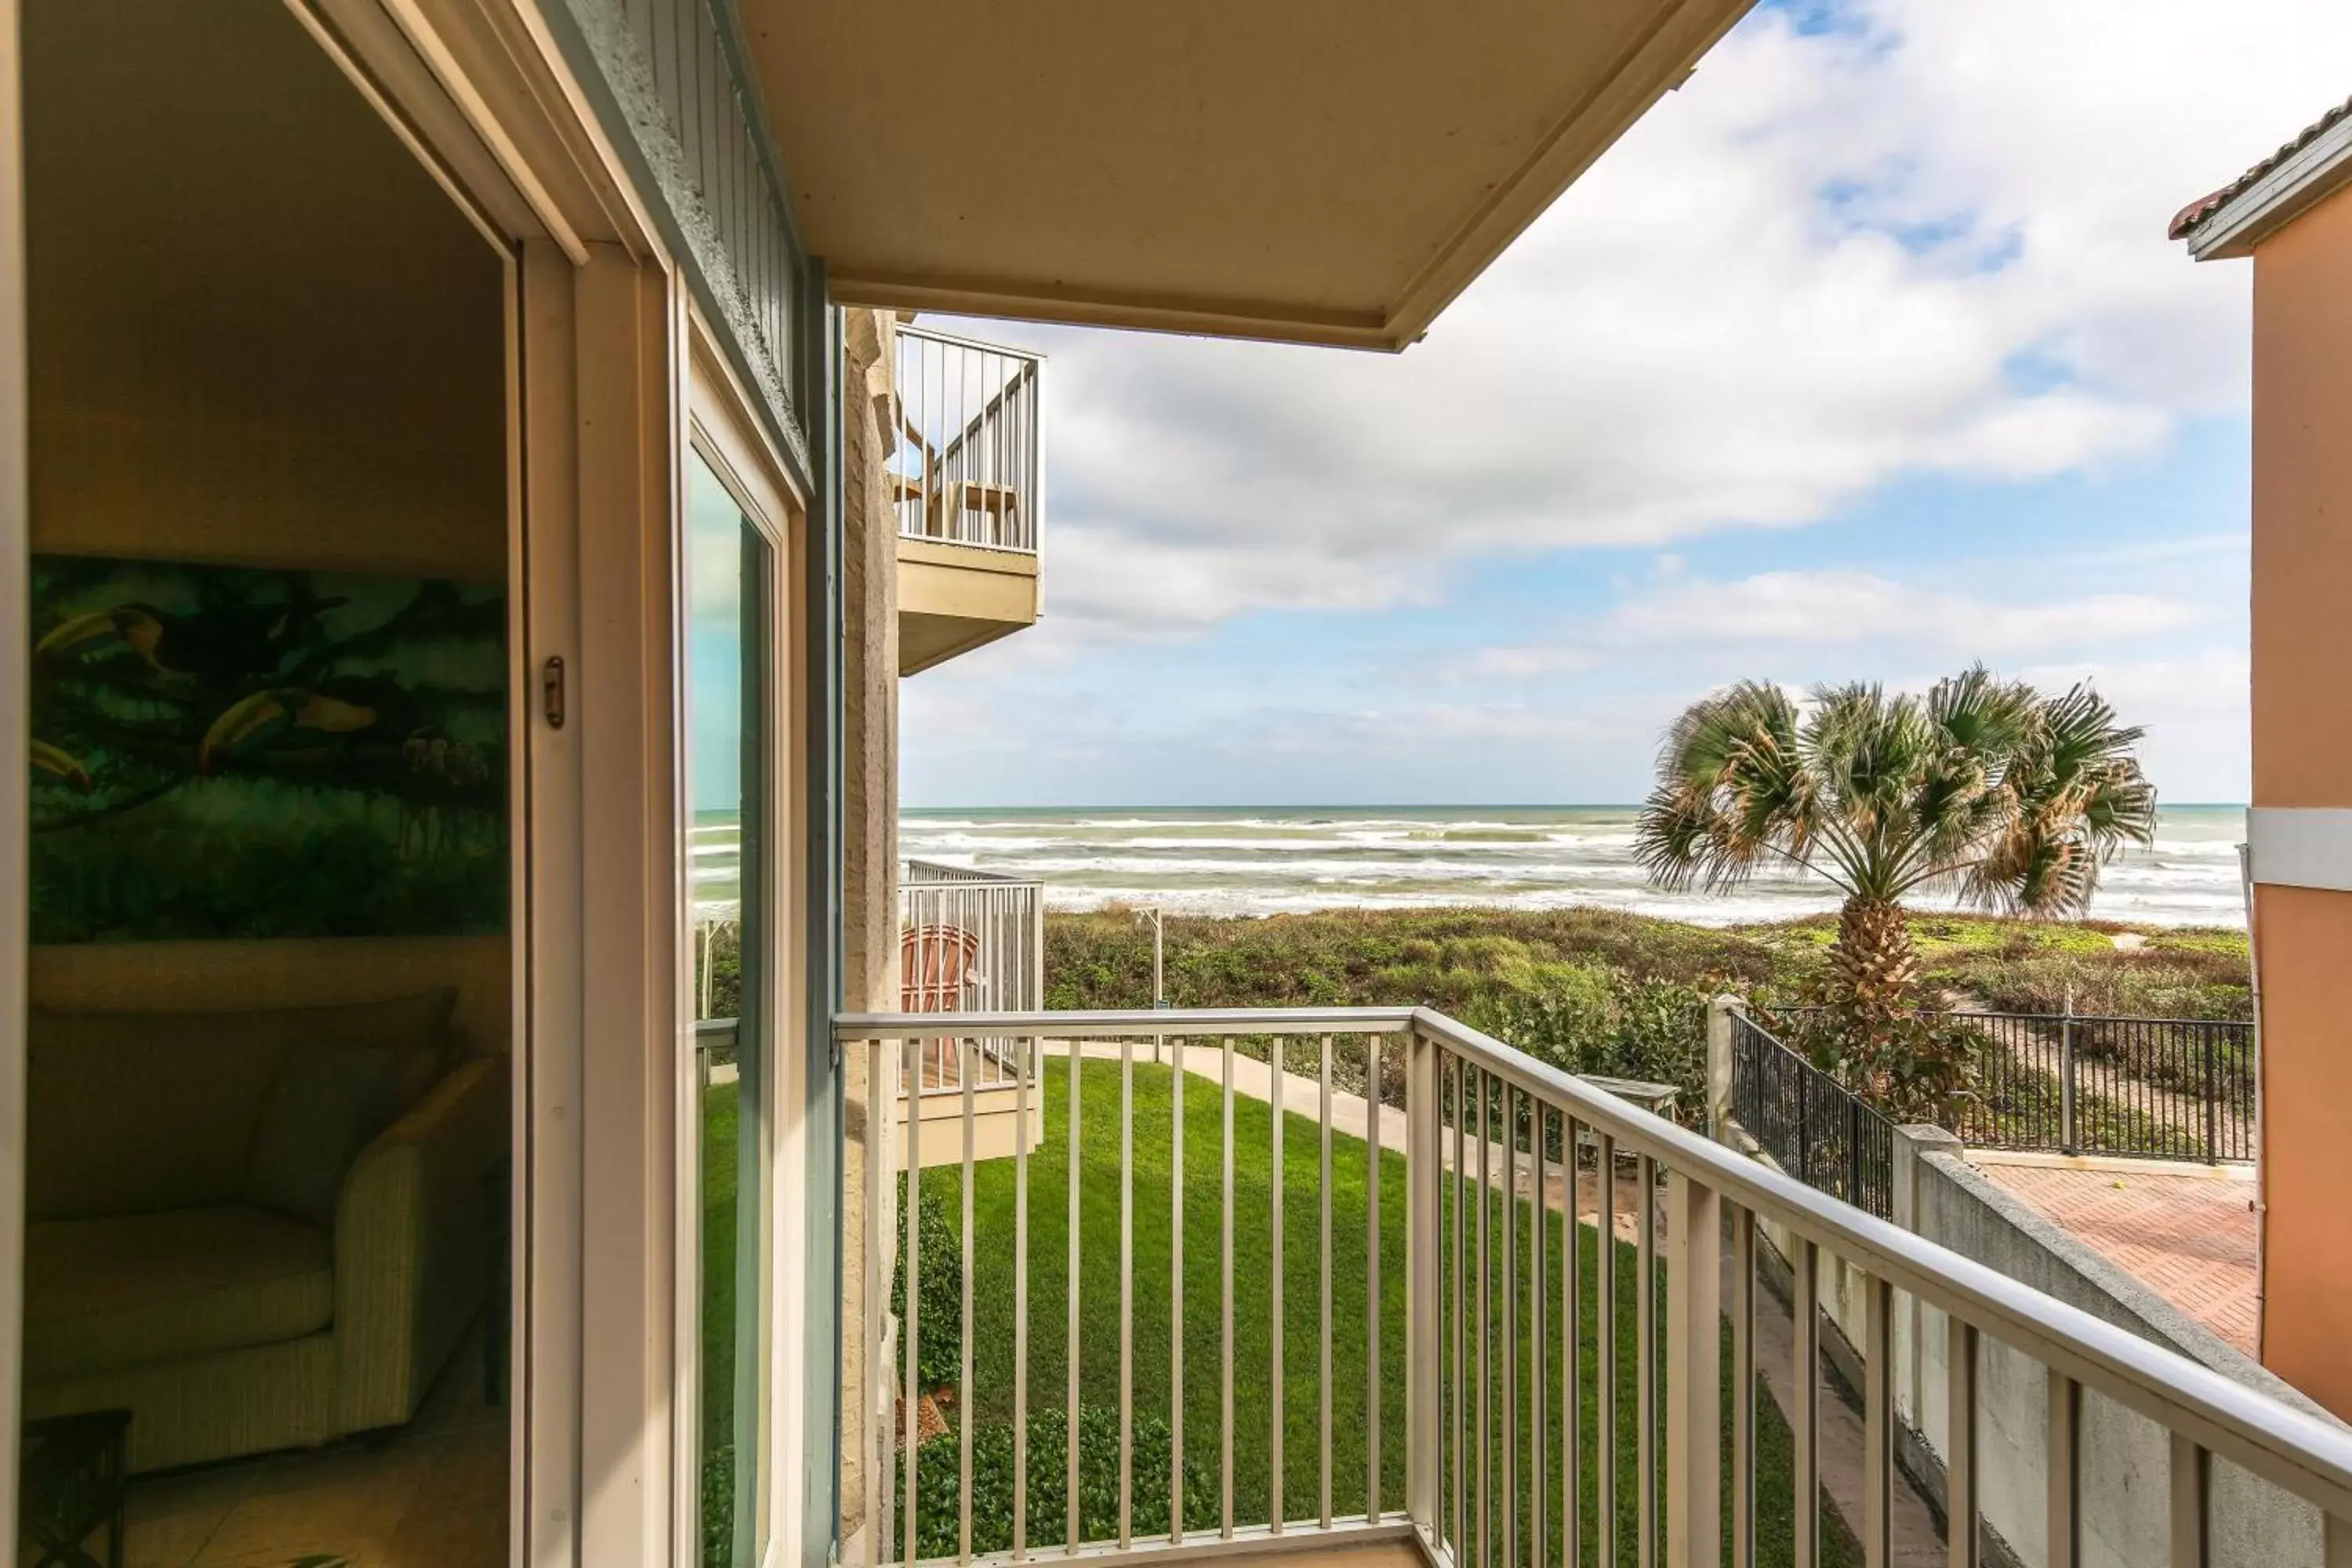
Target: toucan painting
point(234, 752)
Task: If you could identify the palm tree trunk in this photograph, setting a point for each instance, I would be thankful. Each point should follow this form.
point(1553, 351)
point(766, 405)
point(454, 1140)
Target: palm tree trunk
point(1871, 957)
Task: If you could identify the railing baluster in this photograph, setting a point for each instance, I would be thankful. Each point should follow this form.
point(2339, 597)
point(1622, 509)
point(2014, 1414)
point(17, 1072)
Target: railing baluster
point(1511, 1326)
point(879, 1245)
point(1225, 1362)
point(1961, 1442)
point(1604, 1286)
point(1538, 1339)
point(1485, 1315)
point(1805, 1421)
point(1877, 1423)
point(1461, 1310)
point(1694, 1374)
point(2060, 1469)
point(1070, 1404)
point(1031, 1052)
point(963, 1381)
point(1571, 1329)
point(1176, 1291)
point(1277, 1504)
point(1743, 1388)
point(1646, 1359)
point(911, 1390)
point(1323, 1366)
point(1126, 1291)
point(2191, 1482)
point(1373, 1305)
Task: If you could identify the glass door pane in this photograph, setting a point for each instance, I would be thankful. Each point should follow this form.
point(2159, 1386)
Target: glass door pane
point(728, 707)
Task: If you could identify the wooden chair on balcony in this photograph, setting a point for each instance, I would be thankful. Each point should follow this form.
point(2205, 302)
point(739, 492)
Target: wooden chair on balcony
point(939, 972)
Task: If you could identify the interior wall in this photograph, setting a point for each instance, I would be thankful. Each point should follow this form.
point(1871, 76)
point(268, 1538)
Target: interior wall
point(261, 335)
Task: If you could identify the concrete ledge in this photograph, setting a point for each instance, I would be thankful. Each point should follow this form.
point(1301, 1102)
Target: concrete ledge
point(2080, 1275)
point(2121, 1165)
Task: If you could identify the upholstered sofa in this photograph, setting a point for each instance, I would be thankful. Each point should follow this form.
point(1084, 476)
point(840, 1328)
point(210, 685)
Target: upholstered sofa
point(254, 1230)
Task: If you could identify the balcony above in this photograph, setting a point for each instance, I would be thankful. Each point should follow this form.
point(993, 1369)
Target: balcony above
point(965, 478)
point(1329, 171)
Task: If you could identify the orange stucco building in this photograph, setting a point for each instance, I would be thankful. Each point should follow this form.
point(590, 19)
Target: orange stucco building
point(2292, 215)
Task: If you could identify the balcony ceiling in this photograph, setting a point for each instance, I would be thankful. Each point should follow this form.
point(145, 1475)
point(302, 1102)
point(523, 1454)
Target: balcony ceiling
point(1325, 171)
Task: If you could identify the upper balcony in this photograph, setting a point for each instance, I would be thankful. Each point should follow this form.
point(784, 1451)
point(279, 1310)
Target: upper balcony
point(967, 481)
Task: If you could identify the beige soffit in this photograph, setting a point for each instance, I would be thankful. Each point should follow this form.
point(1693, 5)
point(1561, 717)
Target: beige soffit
point(1323, 171)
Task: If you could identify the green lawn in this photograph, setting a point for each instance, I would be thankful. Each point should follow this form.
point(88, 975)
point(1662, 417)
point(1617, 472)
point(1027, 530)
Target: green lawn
point(719, 1163)
point(995, 1259)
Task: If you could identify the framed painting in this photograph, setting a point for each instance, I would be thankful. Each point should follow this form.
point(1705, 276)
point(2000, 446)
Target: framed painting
point(224, 752)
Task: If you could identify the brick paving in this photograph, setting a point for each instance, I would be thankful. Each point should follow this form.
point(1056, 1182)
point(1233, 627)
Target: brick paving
point(2189, 1237)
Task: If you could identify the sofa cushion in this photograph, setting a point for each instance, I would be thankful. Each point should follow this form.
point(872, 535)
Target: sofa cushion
point(132, 1113)
point(106, 1293)
point(326, 1103)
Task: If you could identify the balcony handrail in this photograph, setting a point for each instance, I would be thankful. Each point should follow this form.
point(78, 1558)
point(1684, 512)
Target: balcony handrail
point(969, 417)
point(2206, 1413)
point(916, 872)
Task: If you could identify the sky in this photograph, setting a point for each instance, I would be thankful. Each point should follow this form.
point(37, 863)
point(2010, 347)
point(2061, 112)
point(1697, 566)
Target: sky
point(1863, 356)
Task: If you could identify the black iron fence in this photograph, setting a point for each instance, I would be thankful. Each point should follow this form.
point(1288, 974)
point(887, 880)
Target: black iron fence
point(2168, 1089)
point(1812, 1125)
point(2161, 1088)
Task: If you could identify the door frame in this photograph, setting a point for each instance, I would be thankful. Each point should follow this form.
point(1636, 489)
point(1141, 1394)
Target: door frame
point(598, 398)
point(15, 669)
point(723, 433)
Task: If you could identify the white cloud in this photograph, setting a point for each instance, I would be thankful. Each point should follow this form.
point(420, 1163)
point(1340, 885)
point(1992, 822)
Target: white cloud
point(1826, 608)
point(1928, 240)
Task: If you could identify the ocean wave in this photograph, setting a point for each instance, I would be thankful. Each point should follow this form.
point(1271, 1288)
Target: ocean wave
point(1261, 861)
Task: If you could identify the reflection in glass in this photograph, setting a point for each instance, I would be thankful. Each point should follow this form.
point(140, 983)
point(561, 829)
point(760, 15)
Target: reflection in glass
point(727, 698)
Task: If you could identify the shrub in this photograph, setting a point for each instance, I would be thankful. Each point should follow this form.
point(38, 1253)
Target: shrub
point(1615, 1025)
point(1907, 1067)
point(938, 1345)
point(939, 1466)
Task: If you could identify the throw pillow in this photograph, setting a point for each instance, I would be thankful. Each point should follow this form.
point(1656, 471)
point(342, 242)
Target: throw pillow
point(328, 1102)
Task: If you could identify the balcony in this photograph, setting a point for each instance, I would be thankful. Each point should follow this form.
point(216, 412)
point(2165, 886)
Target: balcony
point(965, 480)
point(969, 942)
point(1417, 1293)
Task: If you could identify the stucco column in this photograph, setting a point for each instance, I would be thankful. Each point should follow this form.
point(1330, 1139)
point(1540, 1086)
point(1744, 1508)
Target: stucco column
point(1719, 1014)
point(869, 822)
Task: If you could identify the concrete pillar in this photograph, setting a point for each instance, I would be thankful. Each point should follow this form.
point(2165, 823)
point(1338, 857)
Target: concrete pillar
point(870, 823)
point(1918, 1370)
point(1719, 1014)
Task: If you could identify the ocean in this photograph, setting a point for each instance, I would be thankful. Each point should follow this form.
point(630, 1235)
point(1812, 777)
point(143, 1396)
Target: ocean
point(1268, 860)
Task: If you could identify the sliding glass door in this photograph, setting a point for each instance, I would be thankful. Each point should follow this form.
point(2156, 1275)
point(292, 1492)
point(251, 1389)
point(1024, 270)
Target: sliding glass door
point(729, 711)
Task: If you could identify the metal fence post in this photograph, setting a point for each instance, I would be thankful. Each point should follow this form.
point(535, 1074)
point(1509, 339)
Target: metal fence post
point(2212, 1096)
point(2066, 1140)
point(1854, 1152)
point(1804, 1172)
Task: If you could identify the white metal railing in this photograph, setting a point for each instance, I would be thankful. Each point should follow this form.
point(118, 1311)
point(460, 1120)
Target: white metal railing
point(1498, 1370)
point(965, 469)
point(969, 942)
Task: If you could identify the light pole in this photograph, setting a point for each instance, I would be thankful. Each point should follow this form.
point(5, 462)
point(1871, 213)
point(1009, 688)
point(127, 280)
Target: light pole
point(1158, 970)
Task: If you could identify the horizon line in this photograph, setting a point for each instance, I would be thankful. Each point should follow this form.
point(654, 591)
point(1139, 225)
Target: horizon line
point(1413, 806)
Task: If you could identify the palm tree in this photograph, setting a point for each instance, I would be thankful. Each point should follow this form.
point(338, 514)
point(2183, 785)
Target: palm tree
point(2009, 797)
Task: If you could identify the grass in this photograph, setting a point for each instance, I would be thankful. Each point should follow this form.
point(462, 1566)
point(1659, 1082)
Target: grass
point(719, 1325)
point(993, 1283)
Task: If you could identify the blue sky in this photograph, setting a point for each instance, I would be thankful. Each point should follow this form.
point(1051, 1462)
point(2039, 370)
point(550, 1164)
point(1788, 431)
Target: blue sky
point(1863, 357)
